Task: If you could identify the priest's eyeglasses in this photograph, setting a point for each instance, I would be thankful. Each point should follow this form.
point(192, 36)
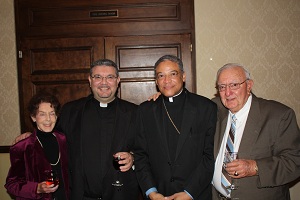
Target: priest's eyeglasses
point(99, 78)
point(232, 86)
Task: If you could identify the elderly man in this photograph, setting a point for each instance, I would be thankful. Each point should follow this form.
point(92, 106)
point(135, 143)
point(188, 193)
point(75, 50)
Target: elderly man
point(265, 135)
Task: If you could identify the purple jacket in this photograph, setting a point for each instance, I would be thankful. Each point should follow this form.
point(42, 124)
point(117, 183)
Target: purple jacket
point(28, 163)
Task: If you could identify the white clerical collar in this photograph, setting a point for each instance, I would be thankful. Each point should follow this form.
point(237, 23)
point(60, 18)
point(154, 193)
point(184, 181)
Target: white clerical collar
point(103, 105)
point(171, 98)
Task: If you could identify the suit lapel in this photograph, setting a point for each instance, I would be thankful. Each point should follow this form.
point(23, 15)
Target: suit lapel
point(221, 126)
point(122, 124)
point(220, 131)
point(251, 130)
point(189, 114)
point(161, 124)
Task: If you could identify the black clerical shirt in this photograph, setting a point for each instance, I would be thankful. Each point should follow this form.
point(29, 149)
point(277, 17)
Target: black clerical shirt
point(98, 128)
point(175, 110)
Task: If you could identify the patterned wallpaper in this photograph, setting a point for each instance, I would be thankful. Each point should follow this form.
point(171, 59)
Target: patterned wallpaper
point(9, 100)
point(263, 35)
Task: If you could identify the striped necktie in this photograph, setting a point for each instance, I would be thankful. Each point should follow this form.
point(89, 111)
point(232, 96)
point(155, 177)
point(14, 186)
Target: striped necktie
point(226, 179)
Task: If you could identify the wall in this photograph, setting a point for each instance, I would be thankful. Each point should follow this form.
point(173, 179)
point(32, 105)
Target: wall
point(4, 166)
point(261, 34)
point(9, 104)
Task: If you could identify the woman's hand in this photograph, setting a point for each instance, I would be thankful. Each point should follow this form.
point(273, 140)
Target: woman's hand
point(44, 188)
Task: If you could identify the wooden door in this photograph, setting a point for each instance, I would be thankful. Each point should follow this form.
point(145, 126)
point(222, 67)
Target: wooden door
point(59, 66)
point(58, 40)
point(136, 56)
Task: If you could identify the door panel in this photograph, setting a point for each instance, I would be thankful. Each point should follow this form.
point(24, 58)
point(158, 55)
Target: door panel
point(136, 56)
point(38, 18)
point(60, 39)
point(59, 66)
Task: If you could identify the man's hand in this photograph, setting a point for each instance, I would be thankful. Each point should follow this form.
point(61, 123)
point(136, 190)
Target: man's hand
point(126, 159)
point(21, 137)
point(154, 96)
point(156, 196)
point(179, 196)
point(240, 168)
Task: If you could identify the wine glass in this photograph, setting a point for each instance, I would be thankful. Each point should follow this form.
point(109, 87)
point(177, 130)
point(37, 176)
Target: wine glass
point(229, 157)
point(51, 177)
point(117, 166)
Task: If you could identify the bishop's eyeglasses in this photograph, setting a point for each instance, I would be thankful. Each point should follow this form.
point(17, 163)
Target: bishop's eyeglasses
point(172, 75)
point(232, 86)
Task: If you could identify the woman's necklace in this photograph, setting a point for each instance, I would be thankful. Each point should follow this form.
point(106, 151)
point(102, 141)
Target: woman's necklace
point(58, 152)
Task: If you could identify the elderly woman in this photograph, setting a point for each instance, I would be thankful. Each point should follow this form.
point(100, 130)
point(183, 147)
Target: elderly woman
point(41, 152)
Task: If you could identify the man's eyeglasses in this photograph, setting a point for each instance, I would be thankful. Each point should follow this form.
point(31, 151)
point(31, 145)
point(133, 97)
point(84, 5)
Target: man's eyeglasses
point(99, 78)
point(172, 75)
point(232, 86)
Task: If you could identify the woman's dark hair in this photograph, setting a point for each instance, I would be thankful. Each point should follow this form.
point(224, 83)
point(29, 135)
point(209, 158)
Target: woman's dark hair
point(43, 97)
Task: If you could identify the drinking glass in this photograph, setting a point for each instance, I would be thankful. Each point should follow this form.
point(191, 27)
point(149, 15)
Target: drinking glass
point(51, 177)
point(229, 157)
point(117, 166)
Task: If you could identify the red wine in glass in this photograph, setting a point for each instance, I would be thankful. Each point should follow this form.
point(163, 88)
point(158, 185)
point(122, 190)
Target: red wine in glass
point(51, 177)
point(117, 166)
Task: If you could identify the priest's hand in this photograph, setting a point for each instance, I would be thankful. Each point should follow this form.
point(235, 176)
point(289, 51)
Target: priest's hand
point(154, 96)
point(21, 137)
point(126, 159)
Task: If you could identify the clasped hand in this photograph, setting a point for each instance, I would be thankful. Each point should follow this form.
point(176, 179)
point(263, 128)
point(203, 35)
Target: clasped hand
point(176, 196)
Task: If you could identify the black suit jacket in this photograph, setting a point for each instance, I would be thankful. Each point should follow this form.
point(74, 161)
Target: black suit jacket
point(70, 122)
point(193, 167)
point(272, 138)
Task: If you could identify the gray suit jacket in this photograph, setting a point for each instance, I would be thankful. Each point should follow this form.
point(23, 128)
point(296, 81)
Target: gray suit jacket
point(272, 138)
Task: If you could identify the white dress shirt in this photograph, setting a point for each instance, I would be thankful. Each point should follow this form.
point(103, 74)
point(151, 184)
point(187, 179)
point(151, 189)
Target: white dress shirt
point(241, 118)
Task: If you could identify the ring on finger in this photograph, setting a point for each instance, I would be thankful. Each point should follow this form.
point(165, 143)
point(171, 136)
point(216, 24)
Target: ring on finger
point(235, 173)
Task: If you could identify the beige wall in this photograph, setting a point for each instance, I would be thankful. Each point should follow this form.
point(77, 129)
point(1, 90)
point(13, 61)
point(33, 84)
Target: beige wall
point(264, 35)
point(4, 166)
point(9, 104)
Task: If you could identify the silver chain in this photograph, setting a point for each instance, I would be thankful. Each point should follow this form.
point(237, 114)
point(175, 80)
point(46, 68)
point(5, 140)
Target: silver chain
point(58, 152)
point(170, 117)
